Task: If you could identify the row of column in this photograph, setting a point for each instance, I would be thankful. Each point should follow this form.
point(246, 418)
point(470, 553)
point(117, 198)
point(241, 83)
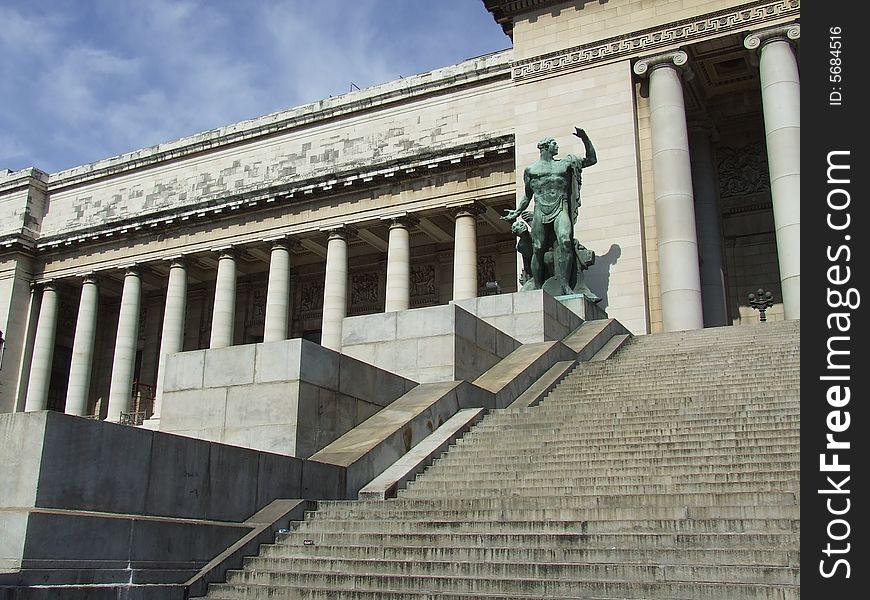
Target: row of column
point(277, 318)
point(676, 199)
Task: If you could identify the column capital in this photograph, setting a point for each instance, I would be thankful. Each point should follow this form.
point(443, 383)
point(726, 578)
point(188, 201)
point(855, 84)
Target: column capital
point(228, 251)
point(469, 208)
point(339, 231)
point(784, 33)
point(404, 220)
point(88, 277)
point(676, 59)
point(284, 241)
point(177, 261)
point(133, 269)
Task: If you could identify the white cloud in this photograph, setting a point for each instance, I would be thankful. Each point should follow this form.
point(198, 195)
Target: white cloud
point(85, 81)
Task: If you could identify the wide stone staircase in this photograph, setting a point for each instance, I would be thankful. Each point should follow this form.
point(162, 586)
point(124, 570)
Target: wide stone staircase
point(669, 471)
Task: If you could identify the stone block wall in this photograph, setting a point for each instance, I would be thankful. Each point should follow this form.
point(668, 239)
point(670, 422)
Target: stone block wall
point(437, 343)
point(291, 397)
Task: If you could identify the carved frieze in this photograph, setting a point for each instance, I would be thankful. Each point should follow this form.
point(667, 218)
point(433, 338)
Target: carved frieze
point(424, 287)
point(364, 293)
point(311, 298)
point(743, 171)
point(647, 40)
point(485, 270)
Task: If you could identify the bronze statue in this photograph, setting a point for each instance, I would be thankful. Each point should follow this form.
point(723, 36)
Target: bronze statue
point(553, 259)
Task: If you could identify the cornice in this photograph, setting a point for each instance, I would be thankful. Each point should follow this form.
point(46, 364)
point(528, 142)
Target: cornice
point(487, 149)
point(505, 11)
point(747, 16)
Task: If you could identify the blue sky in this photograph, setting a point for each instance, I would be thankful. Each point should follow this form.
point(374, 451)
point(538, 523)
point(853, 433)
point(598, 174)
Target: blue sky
point(82, 80)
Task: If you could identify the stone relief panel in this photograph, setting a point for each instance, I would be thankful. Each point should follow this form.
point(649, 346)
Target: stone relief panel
point(365, 293)
point(424, 285)
point(485, 271)
point(743, 171)
point(311, 298)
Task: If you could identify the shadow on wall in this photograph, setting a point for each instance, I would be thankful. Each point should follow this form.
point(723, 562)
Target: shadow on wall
point(598, 276)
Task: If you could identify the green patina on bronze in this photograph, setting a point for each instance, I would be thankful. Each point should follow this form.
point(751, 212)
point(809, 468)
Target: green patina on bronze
point(553, 260)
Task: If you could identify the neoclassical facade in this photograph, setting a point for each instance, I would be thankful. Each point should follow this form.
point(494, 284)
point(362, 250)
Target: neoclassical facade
point(389, 198)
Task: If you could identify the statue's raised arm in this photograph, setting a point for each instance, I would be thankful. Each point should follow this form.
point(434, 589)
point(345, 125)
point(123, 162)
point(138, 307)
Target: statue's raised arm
point(591, 158)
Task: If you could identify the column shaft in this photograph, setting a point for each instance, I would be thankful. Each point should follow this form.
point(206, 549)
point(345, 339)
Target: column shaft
point(780, 95)
point(334, 290)
point(124, 361)
point(224, 314)
point(708, 222)
point(465, 256)
point(172, 335)
point(398, 294)
point(43, 352)
point(278, 294)
point(83, 349)
point(680, 279)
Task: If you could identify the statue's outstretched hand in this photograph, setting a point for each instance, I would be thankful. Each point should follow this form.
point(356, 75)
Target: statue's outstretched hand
point(510, 215)
point(580, 133)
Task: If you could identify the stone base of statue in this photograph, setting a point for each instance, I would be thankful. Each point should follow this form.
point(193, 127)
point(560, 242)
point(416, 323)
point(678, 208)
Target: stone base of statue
point(583, 259)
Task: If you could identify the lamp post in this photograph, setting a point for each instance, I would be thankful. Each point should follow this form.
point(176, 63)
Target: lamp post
point(2, 347)
point(761, 301)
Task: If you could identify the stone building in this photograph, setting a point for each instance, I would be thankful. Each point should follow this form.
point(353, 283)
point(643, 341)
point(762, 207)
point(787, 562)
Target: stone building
point(389, 198)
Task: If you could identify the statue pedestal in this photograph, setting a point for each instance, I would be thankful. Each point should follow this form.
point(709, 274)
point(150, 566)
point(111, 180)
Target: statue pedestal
point(582, 306)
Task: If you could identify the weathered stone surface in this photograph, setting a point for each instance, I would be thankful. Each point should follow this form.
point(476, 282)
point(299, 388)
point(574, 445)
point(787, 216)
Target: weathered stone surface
point(439, 343)
point(291, 397)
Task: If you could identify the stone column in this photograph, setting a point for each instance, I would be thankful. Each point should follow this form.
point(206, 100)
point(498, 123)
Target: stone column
point(43, 351)
point(398, 296)
point(278, 293)
point(224, 314)
point(679, 276)
point(123, 363)
point(465, 252)
point(172, 335)
point(83, 348)
point(780, 98)
point(708, 223)
point(335, 289)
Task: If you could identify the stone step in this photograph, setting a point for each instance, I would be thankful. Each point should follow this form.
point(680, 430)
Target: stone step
point(620, 478)
point(692, 461)
point(634, 540)
point(446, 527)
point(561, 514)
point(569, 459)
point(615, 429)
point(615, 449)
point(586, 554)
point(575, 501)
point(437, 585)
point(697, 393)
point(286, 570)
point(652, 458)
point(724, 440)
point(556, 414)
point(532, 488)
point(310, 593)
point(682, 416)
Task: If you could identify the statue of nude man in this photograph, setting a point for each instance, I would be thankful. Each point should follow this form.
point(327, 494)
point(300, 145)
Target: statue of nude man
point(555, 187)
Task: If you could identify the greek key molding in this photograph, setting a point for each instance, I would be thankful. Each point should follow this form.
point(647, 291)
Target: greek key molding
point(679, 32)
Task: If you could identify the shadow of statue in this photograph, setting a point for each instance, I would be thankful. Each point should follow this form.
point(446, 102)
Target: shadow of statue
point(598, 276)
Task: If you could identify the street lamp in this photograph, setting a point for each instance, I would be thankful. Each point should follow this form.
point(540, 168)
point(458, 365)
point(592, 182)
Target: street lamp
point(761, 301)
point(2, 347)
